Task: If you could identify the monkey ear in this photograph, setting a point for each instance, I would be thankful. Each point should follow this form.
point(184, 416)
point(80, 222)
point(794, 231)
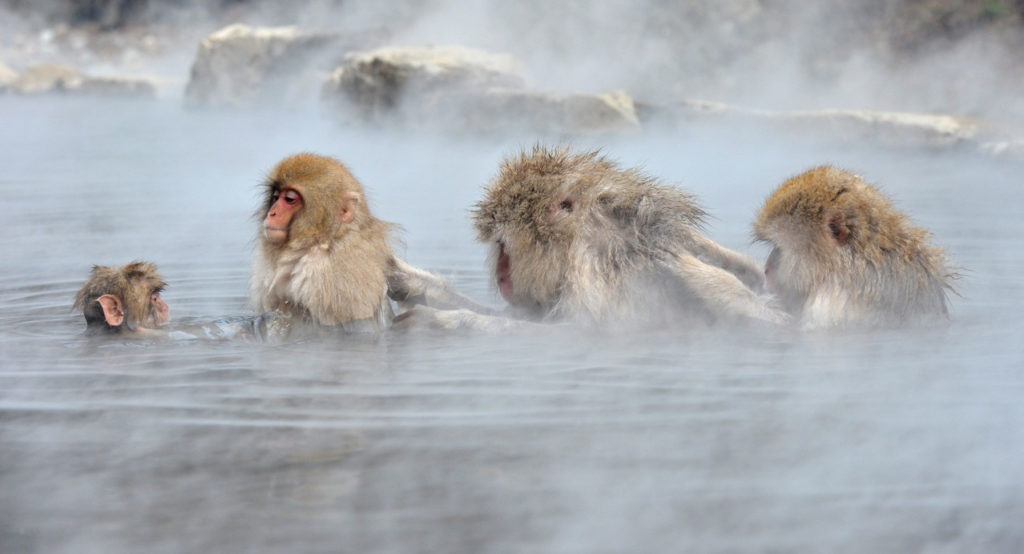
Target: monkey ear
point(112, 310)
point(837, 227)
point(348, 208)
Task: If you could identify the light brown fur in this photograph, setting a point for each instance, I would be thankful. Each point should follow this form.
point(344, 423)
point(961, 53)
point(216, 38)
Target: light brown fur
point(842, 255)
point(329, 271)
point(589, 241)
point(133, 284)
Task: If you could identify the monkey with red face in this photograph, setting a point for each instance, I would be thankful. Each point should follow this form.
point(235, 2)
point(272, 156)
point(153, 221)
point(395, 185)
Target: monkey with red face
point(322, 258)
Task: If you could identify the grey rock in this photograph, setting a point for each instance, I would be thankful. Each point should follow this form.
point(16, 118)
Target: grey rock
point(1012, 150)
point(462, 90)
point(511, 110)
point(913, 130)
point(58, 79)
point(381, 83)
point(7, 77)
point(241, 66)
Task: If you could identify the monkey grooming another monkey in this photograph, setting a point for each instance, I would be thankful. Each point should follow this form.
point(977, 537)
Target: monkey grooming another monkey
point(575, 238)
point(321, 257)
point(123, 299)
point(841, 255)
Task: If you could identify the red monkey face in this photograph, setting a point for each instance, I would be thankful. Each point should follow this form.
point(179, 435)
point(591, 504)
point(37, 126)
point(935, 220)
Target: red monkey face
point(284, 203)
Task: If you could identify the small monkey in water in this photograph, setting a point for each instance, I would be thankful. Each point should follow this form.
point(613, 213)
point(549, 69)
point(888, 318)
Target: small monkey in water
point(322, 258)
point(123, 299)
point(841, 254)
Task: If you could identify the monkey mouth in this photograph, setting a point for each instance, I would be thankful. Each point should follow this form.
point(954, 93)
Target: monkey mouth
point(503, 273)
point(275, 234)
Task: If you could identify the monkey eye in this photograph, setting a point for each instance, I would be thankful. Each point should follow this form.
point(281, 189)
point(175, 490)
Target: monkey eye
point(566, 205)
point(291, 197)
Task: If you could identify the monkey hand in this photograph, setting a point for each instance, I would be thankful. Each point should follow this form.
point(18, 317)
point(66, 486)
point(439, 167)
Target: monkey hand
point(412, 286)
point(409, 284)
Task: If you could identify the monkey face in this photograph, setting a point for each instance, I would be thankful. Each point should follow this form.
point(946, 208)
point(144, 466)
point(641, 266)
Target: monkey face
point(784, 279)
point(284, 204)
point(310, 199)
point(159, 313)
point(529, 225)
point(123, 298)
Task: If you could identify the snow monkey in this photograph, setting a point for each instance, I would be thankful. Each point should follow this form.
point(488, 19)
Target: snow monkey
point(576, 238)
point(841, 255)
point(321, 257)
point(123, 299)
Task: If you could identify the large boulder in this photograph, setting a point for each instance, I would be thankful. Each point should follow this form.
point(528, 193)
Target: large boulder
point(459, 89)
point(242, 66)
point(58, 79)
point(382, 83)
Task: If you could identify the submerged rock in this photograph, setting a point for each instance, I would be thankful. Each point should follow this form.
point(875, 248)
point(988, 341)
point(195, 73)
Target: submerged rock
point(509, 110)
point(914, 130)
point(58, 79)
point(1004, 150)
point(47, 78)
point(7, 77)
point(243, 66)
point(892, 128)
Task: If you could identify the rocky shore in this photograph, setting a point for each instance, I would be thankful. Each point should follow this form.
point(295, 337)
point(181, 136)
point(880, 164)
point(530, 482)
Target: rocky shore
point(370, 74)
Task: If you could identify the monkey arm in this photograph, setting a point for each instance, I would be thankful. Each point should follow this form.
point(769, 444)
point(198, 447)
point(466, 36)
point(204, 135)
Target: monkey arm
point(420, 317)
point(425, 317)
point(744, 268)
point(411, 286)
point(722, 291)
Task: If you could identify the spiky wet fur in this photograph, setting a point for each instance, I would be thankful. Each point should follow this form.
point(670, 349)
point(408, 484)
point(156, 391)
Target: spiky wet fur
point(604, 258)
point(133, 283)
point(883, 271)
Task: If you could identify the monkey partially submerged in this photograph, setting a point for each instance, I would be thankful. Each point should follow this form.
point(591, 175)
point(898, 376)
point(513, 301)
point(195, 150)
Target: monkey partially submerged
point(843, 255)
point(123, 299)
point(576, 238)
point(322, 258)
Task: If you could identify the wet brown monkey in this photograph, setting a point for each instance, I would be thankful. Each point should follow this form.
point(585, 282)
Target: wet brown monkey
point(841, 254)
point(123, 299)
point(574, 237)
point(322, 258)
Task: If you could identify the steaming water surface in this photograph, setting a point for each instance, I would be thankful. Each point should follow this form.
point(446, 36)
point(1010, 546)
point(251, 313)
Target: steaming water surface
point(715, 440)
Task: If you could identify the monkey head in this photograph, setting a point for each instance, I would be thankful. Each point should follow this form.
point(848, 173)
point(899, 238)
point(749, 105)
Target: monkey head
point(532, 216)
point(310, 199)
point(125, 298)
point(559, 222)
point(831, 231)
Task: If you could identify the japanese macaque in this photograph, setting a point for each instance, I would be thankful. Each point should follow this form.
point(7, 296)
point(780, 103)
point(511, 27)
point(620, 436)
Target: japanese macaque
point(576, 238)
point(123, 299)
point(322, 258)
point(841, 255)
